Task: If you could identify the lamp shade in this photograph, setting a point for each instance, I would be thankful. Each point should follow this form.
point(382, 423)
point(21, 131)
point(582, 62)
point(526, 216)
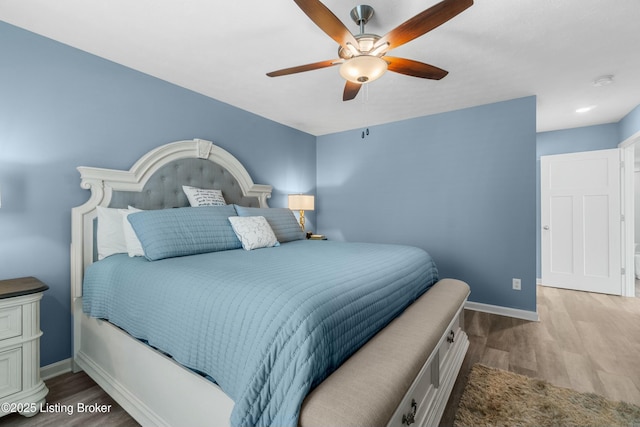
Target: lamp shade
point(363, 68)
point(301, 202)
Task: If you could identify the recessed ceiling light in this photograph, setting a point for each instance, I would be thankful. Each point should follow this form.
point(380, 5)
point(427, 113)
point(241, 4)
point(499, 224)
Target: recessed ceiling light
point(603, 80)
point(585, 109)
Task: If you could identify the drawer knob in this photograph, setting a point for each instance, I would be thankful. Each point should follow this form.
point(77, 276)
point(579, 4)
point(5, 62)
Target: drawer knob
point(452, 337)
point(410, 418)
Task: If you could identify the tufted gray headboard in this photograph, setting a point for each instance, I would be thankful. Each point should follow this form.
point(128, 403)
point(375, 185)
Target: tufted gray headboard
point(164, 189)
point(155, 182)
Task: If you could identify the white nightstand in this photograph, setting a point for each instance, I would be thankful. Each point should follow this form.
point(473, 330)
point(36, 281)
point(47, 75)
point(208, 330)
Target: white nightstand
point(21, 389)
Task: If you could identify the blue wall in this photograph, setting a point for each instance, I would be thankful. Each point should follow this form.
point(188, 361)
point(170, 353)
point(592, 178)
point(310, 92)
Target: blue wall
point(61, 108)
point(589, 138)
point(460, 185)
point(630, 124)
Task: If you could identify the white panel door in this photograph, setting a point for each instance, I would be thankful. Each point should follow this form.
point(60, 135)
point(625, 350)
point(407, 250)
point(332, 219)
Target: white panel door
point(581, 221)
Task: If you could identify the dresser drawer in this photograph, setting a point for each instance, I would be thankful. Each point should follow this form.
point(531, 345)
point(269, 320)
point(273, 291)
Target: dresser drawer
point(10, 322)
point(453, 332)
point(10, 372)
point(426, 399)
point(419, 400)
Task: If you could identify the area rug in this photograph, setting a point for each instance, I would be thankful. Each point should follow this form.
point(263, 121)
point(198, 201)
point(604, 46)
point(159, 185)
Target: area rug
point(493, 397)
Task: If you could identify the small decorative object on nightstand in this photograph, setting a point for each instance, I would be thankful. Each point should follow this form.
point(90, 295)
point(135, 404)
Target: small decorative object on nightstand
point(21, 389)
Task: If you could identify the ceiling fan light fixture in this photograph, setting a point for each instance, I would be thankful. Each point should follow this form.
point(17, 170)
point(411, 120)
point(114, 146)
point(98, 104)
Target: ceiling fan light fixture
point(361, 54)
point(363, 69)
point(378, 50)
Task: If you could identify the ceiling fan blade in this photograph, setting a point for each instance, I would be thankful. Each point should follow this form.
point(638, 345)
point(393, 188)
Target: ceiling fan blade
point(350, 90)
point(327, 22)
point(414, 68)
point(424, 22)
point(307, 67)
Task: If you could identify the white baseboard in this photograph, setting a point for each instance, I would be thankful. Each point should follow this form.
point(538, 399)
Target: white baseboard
point(503, 311)
point(55, 369)
point(538, 281)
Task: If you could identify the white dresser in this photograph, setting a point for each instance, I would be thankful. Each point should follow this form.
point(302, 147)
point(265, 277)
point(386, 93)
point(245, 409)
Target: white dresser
point(21, 389)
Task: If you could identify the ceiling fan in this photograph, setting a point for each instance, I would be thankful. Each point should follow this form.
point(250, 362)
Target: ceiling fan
point(362, 57)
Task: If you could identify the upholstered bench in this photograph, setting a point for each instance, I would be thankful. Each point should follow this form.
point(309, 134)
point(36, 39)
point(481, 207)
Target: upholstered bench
point(423, 343)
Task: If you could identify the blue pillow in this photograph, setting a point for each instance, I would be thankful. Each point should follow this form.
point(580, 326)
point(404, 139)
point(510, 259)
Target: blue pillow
point(282, 221)
point(168, 233)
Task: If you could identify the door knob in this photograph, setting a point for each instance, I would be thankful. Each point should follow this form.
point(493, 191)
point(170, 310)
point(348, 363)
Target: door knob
point(546, 227)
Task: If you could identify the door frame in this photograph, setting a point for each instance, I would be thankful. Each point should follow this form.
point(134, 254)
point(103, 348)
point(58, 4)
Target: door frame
point(628, 210)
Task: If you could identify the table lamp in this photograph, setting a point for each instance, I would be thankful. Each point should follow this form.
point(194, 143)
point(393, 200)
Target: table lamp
point(301, 202)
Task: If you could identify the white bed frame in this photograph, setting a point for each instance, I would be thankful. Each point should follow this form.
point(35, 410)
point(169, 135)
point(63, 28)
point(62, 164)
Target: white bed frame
point(149, 385)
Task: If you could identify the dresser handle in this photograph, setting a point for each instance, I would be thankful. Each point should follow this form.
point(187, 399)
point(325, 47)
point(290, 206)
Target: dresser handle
point(452, 337)
point(410, 418)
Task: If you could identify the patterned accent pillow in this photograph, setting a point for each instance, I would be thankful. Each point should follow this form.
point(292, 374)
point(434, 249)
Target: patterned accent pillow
point(254, 232)
point(203, 197)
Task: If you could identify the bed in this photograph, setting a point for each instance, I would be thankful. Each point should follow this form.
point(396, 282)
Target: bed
point(360, 346)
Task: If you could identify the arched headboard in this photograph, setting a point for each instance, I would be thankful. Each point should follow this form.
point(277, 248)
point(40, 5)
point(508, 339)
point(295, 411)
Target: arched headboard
point(155, 182)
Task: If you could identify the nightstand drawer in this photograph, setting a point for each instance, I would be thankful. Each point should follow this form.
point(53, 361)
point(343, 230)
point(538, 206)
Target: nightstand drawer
point(10, 322)
point(10, 372)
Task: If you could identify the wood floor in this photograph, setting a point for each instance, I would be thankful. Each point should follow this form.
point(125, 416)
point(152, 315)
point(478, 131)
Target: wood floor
point(66, 392)
point(584, 341)
point(588, 342)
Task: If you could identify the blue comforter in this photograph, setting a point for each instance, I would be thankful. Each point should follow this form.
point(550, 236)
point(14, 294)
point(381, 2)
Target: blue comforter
point(269, 324)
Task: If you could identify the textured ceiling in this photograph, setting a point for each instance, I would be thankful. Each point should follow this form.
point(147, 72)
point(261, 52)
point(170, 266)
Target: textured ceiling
point(494, 51)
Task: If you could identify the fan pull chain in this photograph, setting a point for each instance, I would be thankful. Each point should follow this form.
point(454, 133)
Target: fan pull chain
point(365, 102)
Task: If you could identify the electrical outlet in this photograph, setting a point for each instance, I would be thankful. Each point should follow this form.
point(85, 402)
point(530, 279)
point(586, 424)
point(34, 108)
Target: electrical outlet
point(516, 284)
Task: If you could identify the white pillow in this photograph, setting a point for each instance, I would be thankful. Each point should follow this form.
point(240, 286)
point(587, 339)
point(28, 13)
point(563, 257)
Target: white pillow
point(110, 232)
point(253, 231)
point(203, 197)
point(134, 247)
